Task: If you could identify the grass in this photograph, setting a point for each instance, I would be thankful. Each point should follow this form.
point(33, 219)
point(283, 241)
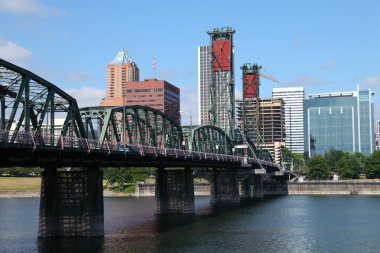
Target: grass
point(20, 183)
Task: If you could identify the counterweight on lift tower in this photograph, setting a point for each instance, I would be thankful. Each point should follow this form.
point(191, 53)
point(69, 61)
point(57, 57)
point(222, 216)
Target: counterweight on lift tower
point(222, 87)
point(250, 124)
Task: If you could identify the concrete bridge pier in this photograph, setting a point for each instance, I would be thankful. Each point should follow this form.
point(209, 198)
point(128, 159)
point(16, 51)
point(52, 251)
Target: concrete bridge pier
point(252, 188)
point(71, 203)
point(174, 191)
point(224, 186)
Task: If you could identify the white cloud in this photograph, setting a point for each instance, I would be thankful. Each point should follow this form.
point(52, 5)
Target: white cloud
point(328, 65)
point(10, 51)
point(87, 96)
point(298, 43)
point(167, 74)
point(28, 7)
point(373, 80)
point(73, 77)
point(302, 80)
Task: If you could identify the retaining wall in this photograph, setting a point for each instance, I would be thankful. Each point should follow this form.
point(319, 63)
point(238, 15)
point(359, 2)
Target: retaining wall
point(144, 190)
point(290, 188)
point(334, 188)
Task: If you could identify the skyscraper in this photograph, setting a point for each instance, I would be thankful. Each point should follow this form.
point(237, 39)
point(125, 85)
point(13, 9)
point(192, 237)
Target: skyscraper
point(204, 96)
point(204, 81)
point(340, 120)
point(120, 71)
point(377, 134)
point(293, 98)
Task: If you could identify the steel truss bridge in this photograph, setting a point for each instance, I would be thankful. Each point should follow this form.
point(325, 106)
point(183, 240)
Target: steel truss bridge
point(94, 137)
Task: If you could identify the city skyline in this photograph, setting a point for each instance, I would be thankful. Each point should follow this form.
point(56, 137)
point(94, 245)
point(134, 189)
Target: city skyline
point(324, 46)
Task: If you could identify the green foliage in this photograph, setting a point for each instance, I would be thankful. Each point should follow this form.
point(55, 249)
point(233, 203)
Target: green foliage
point(20, 172)
point(288, 157)
point(318, 168)
point(121, 176)
point(332, 157)
point(372, 165)
point(348, 166)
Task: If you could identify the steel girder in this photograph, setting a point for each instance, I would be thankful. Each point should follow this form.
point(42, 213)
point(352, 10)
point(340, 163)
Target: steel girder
point(143, 126)
point(211, 139)
point(252, 150)
point(32, 104)
point(222, 86)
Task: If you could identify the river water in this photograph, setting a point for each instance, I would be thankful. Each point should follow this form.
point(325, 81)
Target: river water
point(284, 224)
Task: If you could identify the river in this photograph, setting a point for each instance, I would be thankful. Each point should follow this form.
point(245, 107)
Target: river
point(283, 224)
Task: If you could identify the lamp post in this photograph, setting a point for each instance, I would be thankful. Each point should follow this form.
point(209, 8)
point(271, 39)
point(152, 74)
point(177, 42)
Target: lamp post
point(123, 118)
point(191, 130)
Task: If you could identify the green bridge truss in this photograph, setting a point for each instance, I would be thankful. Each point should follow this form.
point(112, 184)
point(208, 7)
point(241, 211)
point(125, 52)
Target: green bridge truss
point(30, 103)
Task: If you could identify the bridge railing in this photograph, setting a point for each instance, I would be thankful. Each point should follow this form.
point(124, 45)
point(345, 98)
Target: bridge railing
point(42, 140)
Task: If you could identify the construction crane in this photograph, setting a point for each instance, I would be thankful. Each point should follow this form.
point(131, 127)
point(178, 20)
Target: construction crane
point(250, 124)
point(269, 77)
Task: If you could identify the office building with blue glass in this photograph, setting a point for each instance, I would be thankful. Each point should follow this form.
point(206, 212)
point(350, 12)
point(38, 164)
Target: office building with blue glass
point(340, 120)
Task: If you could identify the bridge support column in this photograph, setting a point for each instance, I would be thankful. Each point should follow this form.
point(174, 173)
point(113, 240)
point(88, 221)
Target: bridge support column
point(252, 187)
point(71, 203)
point(174, 191)
point(224, 187)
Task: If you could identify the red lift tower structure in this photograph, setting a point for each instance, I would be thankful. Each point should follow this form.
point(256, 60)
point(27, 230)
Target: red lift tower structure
point(250, 123)
point(222, 86)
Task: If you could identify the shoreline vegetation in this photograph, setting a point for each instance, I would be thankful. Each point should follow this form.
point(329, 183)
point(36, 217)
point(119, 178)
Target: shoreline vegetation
point(36, 194)
point(30, 187)
point(27, 187)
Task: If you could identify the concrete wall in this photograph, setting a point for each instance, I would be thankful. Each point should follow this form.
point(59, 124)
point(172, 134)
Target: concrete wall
point(145, 190)
point(291, 188)
point(334, 188)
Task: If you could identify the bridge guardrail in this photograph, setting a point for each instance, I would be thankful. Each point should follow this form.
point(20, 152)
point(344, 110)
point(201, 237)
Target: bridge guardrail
point(40, 140)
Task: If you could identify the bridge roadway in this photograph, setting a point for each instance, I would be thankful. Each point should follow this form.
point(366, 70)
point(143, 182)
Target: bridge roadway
point(71, 202)
point(30, 149)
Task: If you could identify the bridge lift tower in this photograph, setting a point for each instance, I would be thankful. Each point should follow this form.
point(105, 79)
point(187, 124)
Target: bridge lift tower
point(250, 124)
point(222, 86)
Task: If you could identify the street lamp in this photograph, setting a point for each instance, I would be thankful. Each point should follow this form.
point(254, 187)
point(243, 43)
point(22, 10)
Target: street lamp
point(191, 130)
point(123, 118)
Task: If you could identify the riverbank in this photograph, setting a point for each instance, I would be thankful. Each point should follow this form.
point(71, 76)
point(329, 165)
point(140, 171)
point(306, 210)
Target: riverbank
point(349, 187)
point(36, 194)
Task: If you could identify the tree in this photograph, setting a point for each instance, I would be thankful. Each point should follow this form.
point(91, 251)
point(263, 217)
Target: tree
point(117, 176)
point(318, 168)
point(372, 165)
point(361, 160)
point(121, 176)
point(296, 158)
point(332, 157)
point(21, 171)
point(348, 166)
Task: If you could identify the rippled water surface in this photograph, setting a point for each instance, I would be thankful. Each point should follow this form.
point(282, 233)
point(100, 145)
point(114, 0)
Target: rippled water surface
point(284, 224)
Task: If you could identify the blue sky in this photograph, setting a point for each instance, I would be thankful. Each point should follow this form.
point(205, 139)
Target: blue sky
point(323, 46)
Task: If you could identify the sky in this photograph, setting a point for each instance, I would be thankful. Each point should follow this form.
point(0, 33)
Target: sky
point(324, 46)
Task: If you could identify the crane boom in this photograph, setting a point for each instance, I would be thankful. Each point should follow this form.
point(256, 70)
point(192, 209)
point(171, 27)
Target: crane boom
point(268, 77)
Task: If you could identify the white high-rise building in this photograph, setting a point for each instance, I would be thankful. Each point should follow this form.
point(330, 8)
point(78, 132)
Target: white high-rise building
point(204, 81)
point(293, 98)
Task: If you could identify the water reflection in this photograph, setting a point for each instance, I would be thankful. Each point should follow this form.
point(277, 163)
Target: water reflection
point(288, 224)
point(164, 222)
point(70, 244)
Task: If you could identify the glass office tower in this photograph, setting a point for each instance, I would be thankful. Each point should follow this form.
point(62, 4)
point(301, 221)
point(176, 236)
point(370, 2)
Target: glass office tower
point(340, 120)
